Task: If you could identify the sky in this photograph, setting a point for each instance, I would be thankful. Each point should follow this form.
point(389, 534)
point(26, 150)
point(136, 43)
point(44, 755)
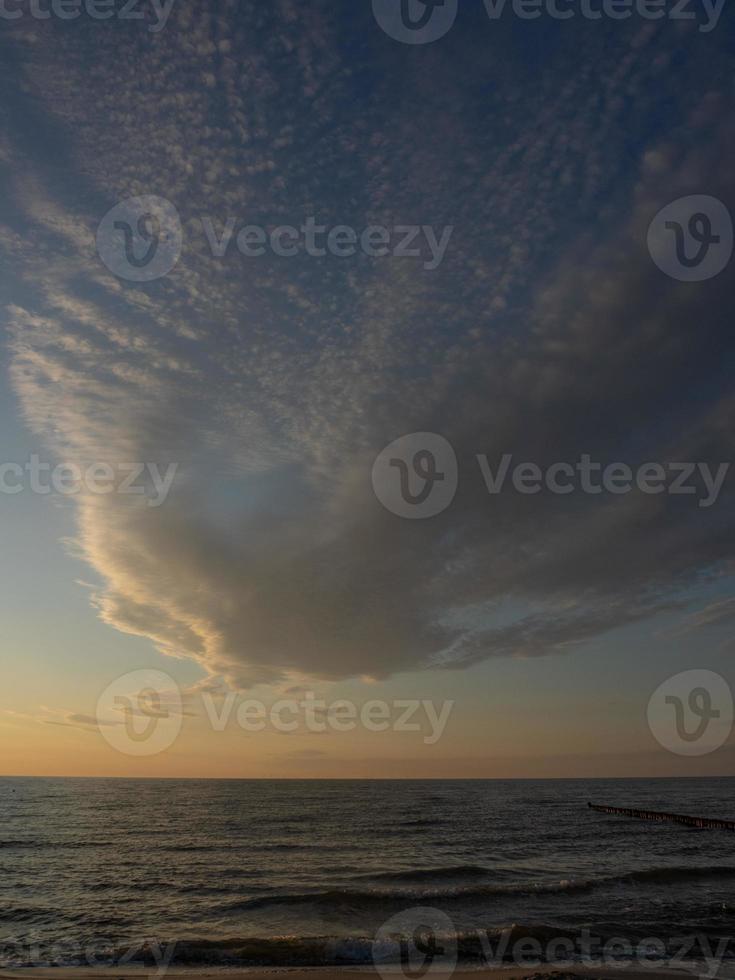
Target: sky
point(538, 321)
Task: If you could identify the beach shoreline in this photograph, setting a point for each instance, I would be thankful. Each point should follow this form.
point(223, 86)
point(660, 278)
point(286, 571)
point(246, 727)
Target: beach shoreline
point(544, 972)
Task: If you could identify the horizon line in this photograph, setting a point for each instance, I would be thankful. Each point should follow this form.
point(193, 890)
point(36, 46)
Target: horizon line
point(372, 779)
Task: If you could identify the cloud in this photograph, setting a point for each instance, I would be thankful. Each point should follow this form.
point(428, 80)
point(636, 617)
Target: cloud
point(88, 720)
point(66, 719)
point(547, 333)
point(713, 614)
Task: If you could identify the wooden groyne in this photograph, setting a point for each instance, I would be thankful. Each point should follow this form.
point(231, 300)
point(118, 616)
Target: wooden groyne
point(703, 823)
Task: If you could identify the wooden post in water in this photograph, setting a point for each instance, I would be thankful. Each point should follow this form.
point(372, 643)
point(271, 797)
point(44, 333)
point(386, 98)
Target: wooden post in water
point(703, 823)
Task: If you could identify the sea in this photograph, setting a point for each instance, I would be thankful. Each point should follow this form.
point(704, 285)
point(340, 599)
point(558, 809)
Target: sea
point(277, 873)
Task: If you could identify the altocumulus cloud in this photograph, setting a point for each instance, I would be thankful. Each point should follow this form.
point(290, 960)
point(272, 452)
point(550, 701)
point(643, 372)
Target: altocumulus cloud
point(547, 331)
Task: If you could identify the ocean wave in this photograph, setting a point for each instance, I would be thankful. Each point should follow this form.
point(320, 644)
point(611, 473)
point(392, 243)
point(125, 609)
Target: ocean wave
point(423, 822)
point(62, 845)
point(38, 914)
point(370, 895)
point(420, 874)
point(471, 947)
point(246, 845)
point(681, 873)
point(338, 897)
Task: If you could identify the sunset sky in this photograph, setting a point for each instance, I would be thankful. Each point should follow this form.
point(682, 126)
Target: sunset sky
point(273, 382)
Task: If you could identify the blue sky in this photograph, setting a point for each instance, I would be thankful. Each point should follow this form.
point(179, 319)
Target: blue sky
point(272, 383)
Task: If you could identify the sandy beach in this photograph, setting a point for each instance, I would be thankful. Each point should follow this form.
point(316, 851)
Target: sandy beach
point(319, 973)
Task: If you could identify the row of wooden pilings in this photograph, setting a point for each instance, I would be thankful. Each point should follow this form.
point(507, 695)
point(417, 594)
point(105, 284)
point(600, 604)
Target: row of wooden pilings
point(703, 823)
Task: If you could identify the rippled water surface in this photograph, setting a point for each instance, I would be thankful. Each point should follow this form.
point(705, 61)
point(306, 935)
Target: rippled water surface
point(103, 862)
